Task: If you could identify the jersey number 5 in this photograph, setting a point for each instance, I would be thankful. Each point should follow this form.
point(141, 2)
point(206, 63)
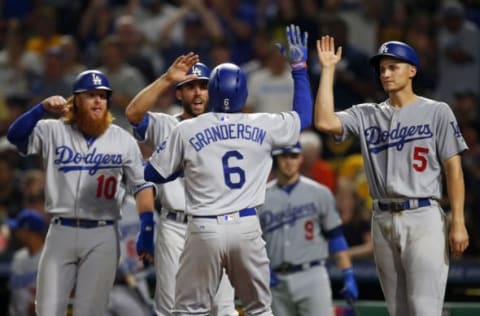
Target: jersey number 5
point(419, 154)
point(106, 187)
point(234, 176)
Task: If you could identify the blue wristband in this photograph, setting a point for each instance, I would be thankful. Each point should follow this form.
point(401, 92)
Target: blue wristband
point(348, 272)
point(146, 216)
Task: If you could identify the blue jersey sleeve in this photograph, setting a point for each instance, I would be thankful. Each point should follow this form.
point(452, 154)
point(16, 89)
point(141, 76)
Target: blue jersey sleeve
point(152, 175)
point(22, 128)
point(140, 129)
point(302, 98)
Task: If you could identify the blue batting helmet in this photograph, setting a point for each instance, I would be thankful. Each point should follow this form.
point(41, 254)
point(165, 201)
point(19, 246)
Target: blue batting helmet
point(227, 88)
point(91, 80)
point(398, 50)
point(199, 69)
point(295, 149)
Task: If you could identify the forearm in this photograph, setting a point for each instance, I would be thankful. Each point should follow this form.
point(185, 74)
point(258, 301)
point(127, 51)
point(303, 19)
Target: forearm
point(342, 259)
point(302, 99)
point(21, 129)
point(455, 188)
point(146, 99)
point(145, 200)
point(325, 118)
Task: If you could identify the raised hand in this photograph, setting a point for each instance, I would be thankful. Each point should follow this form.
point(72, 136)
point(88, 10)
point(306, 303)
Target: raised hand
point(326, 52)
point(57, 104)
point(177, 71)
point(297, 50)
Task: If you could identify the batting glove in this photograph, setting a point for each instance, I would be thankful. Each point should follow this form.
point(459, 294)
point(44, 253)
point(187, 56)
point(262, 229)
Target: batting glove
point(350, 289)
point(297, 52)
point(145, 235)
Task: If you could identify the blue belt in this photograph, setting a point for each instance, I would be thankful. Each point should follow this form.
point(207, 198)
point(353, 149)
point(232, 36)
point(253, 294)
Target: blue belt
point(286, 267)
point(178, 216)
point(250, 211)
point(81, 223)
point(403, 205)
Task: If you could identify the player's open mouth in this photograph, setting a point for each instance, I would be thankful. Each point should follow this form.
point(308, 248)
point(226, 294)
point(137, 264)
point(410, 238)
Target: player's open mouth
point(97, 111)
point(197, 104)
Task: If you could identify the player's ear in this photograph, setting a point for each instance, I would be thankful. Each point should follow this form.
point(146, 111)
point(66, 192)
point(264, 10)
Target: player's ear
point(178, 94)
point(412, 71)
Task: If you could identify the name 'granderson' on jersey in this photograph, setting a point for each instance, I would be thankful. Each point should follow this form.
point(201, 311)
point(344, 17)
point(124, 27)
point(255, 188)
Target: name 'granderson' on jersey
point(93, 161)
point(378, 140)
point(227, 131)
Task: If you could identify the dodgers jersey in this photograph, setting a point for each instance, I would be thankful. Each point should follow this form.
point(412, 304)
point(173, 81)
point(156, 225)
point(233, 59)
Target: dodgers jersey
point(403, 148)
point(159, 126)
point(221, 153)
point(293, 222)
point(84, 180)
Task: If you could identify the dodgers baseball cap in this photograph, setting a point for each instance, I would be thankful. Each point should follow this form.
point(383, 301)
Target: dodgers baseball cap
point(295, 149)
point(29, 219)
point(199, 69)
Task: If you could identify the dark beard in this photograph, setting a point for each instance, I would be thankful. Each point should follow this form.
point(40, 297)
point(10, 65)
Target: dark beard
point(91, 126)
point(188, 109)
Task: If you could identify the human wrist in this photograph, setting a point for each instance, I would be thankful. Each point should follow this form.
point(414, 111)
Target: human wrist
point(348, 272)
point(299, 65)
point(146, 216)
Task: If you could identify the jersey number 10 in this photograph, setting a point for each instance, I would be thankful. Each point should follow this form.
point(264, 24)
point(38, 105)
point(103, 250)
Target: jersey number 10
point(106, 188)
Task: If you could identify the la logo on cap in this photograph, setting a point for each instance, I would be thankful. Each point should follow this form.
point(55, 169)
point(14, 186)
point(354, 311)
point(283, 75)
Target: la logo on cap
point(196, 71)
point(96, 80)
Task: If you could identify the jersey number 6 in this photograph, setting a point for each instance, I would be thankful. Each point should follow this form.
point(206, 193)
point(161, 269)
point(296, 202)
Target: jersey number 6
point(234, 176)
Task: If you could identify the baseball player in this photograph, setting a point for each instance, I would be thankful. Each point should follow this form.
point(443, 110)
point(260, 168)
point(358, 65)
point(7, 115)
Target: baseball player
point(29, 226)
point(302, 228)
point(191, 78)
point(406, 141)
point(225, 158)
point(86, 159)
point(130, 294)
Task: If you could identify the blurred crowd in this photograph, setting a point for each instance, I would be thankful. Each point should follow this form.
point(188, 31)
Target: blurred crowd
point(44, 44)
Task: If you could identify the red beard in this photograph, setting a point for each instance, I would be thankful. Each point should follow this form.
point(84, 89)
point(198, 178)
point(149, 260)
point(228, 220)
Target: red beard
point(92, 127)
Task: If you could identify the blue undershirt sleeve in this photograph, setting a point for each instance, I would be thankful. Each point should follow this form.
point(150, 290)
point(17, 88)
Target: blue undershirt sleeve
point(140, 129)
point(20, 130)
point(150, 174)
point(302, 98)
point(336, 240)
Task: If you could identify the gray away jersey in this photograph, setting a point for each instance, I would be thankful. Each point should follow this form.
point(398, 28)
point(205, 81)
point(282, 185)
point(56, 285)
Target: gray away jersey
point(84, 181)
point(404, 148)
point(293, 223)
point(160, 125)
point(226, 158)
